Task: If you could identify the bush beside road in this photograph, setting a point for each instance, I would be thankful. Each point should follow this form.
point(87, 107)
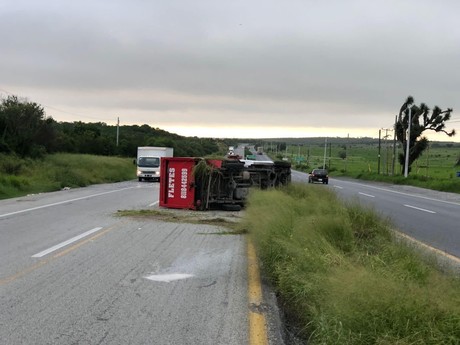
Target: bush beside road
point(22, 176)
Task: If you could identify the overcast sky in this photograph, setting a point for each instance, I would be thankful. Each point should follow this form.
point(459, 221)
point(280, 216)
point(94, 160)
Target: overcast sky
point(233, 68)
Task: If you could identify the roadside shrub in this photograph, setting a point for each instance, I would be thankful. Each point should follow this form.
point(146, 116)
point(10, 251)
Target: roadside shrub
point(10, 165)
point(70, 178)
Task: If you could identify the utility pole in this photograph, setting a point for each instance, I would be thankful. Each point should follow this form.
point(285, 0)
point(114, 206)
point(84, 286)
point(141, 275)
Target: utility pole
point(393, 165)
point(406, 165)
point(386, 152)
point(378, 164)
point(385, 157)
point(346, 152)
point(325, 150)
point(330, 155)
point(428, 160)
point(118, 129)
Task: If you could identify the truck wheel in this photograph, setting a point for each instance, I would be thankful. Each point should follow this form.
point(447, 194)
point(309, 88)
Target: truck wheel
point(140, 179)
point(231, 207)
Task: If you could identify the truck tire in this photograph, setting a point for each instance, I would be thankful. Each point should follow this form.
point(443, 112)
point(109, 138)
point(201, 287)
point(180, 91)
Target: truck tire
point(140, 179)
point(231, 207)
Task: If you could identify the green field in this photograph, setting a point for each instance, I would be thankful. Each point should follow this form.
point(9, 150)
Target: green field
point(436, 169)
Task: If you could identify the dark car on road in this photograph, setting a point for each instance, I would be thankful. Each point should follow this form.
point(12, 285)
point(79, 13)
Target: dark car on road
point(318, 175)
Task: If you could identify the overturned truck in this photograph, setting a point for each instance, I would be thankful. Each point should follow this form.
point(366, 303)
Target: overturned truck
point(203, 184)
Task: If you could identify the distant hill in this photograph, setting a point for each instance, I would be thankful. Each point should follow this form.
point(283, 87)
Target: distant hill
point(330, 140)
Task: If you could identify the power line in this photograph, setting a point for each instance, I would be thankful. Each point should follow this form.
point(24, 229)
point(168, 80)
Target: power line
point(70, 113)
point(60, 110)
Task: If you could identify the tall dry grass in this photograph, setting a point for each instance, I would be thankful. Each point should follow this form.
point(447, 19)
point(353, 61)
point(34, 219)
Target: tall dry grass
point(341, 276)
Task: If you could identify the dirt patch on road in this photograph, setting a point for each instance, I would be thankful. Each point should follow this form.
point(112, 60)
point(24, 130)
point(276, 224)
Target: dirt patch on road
point(228, 220)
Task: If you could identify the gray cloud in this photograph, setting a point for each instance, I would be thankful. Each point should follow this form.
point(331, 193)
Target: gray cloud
point(299, 63)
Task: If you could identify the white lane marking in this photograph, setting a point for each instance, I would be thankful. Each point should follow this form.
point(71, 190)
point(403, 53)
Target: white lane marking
point(406, 194)
point(368, 195)
point(338, 187)
point(420, 209)
point(168, 277)
point(62, 202)
point(65, 243)
point(154, 203)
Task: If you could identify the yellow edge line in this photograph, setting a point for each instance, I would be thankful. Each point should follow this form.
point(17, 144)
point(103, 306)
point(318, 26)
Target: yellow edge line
point(27, 270)
point(257, 322)
point(79, 244)
point(32, 268)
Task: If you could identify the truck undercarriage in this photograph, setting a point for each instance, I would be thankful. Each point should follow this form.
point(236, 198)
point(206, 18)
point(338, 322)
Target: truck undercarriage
point(201, 184)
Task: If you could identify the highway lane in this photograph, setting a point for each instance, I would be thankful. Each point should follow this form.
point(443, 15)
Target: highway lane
point(429, 216)
point(127, 282)
point(36, 222)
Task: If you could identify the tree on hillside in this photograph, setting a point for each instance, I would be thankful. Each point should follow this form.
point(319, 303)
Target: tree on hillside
point(422, 119)
point(24, 129)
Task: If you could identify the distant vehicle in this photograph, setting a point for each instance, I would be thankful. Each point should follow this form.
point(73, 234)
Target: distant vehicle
point(148, 161)
point(260, 150)
point(318, 175)
point(231, 151)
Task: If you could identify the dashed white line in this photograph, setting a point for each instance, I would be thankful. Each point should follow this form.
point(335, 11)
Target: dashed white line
point(420, 209)
point(65, 243)
point(338, 187)
point(402, 193)
point(153, 203)
point(368, 195)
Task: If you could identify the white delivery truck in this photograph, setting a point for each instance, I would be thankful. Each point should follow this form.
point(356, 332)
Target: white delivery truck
point(148, 161)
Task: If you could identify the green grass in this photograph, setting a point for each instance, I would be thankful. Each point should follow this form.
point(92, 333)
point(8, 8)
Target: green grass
point(20, 177)
point(341, 276)
point(436, 169)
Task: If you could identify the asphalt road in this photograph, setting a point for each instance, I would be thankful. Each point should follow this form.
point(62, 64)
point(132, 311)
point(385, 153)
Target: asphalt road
point(73, 273)
point(429, 216)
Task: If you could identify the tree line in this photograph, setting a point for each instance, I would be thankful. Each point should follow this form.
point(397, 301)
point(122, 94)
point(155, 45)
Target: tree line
point(26, 131)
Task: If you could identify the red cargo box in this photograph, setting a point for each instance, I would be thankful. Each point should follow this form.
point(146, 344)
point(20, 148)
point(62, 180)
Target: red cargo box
point(177, 182)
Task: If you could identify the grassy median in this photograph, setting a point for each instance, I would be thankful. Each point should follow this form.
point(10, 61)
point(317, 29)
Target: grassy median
point(341, 276)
